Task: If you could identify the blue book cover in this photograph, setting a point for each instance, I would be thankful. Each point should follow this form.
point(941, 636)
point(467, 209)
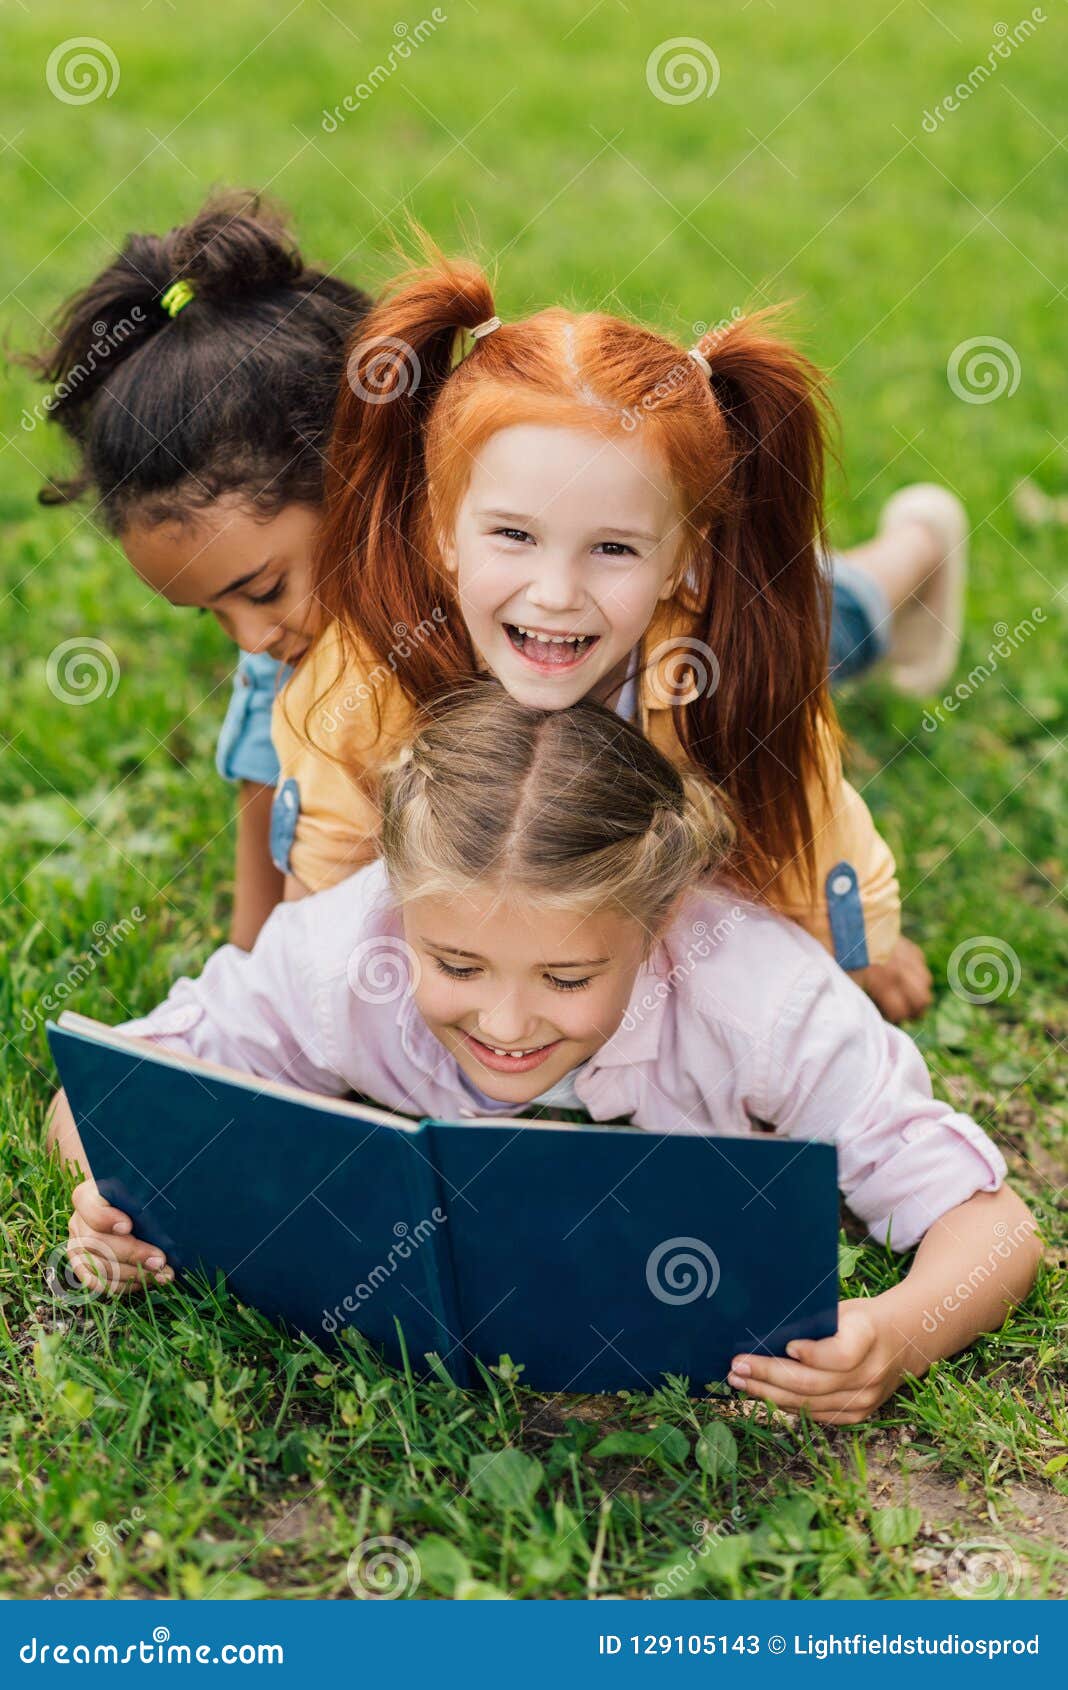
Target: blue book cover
point(599, 1257)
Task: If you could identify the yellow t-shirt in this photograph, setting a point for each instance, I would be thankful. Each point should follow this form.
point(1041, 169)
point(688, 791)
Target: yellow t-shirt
point(337, 723)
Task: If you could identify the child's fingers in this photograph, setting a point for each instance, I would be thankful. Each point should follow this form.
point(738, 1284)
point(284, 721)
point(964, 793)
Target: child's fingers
point(840, 1353)
point(842, 1408)
point(98, 1214)
point(110, 1247)
point(100, 1272)
point(784, 1375)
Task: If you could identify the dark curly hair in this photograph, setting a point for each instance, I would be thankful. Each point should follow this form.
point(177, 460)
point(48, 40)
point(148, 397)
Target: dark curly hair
point(233, 394)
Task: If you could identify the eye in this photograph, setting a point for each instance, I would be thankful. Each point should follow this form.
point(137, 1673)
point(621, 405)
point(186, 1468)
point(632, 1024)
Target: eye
point(568, 985)
point(518, 534)
point(615, 548)
point(269, 597)
point(454, 973)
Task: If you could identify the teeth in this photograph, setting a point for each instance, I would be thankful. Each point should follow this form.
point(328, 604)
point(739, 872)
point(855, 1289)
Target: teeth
point(554, 639)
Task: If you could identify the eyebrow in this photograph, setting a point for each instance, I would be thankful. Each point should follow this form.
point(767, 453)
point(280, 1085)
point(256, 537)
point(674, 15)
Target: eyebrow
point(473, 956)
point(241, 581)
point(616, 533)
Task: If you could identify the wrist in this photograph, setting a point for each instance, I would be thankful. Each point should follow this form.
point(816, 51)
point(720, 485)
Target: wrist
point(906, 1342)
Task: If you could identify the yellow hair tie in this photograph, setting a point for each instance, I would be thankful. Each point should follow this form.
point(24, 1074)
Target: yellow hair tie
point(177, 295)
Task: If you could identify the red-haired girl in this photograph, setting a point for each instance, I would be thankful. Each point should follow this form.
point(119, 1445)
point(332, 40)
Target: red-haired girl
point(584, 509)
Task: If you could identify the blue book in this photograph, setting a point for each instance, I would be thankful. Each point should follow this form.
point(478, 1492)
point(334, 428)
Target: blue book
point(599, 1257)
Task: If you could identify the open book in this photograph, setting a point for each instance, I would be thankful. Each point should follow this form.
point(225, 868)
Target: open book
point(598, 1257)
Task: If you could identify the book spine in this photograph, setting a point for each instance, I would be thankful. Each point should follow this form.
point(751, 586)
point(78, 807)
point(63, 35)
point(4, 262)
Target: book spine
point(427, 1189)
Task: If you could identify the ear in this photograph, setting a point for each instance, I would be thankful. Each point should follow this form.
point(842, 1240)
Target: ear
point(447, 551)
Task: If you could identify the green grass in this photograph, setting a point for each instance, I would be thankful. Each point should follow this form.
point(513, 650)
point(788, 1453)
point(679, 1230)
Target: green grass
point(180, 1446)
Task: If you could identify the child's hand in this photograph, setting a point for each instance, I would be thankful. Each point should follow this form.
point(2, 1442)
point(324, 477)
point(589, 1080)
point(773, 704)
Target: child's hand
point(839, 1380)
point(102, 1251)
point(900, 987)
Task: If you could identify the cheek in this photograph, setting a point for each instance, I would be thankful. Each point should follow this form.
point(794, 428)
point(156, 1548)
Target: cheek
point(484, 581)
point(438, 999)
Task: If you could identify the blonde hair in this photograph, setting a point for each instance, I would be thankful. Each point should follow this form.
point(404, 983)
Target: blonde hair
point(574, 808)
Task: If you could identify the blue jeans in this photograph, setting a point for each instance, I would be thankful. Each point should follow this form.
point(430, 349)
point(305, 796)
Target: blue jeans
point(860, 622)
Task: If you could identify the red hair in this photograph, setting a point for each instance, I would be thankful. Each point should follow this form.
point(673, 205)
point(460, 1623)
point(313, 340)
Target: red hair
point(744, 447)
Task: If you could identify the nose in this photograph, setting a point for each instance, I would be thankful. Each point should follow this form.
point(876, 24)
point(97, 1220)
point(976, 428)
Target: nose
point(556, 586)
point(506, 1021)
point(252, 632)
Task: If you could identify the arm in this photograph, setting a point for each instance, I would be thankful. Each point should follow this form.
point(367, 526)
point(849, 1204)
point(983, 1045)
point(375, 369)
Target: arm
point(976, 1262)
point(258, 886)
point(918, 1173)
point(895, 975)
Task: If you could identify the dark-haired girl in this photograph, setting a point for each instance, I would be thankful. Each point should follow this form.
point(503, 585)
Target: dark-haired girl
point(197, 376)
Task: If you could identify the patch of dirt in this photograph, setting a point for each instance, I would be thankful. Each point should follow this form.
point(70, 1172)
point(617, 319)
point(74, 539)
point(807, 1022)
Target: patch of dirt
point(959, 1522)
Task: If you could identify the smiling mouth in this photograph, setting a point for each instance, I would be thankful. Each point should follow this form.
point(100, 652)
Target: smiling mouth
point(549, 651)
point(506, 1059)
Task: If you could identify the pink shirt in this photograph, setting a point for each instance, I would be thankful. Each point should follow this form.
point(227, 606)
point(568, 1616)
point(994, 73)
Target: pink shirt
point(738, 1017)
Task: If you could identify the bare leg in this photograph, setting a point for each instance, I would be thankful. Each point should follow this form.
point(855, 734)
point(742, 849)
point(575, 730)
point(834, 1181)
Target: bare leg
point(900, 560)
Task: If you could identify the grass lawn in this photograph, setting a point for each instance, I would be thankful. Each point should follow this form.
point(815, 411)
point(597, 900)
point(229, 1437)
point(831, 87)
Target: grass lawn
point(179, 1446)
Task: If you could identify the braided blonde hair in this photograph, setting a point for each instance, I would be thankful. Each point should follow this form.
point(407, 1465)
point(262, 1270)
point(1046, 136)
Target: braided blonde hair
point(574, 808)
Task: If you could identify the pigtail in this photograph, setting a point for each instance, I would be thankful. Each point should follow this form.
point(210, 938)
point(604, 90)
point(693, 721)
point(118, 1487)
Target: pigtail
point(763, 732)
point(378, 554)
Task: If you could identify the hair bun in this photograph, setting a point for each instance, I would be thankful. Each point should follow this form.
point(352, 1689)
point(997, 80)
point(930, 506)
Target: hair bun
point(236, 245)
